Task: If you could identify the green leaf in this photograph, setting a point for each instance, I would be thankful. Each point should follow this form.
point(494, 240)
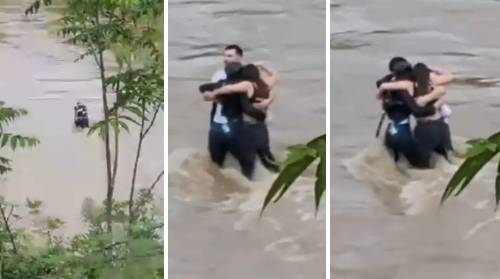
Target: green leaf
point(4, 161)
point(320, 185)
point(124, 126)
point(129, 119)
point(299, 158)
point(287, 176)
point(298, 152)
point(4, 169)
point(5, 139)
point(33, 204)
point(13, 142)
point(479, 141)
point(22, 142)
point(137, 111)
point(497, 186)
point(475, 150)
point(495, 137)
point(493, 147)
point(466, 172)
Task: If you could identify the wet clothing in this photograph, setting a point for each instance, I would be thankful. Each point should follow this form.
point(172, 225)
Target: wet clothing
point(248, 136)
point(399, 105)
point(400, 140)
point(434, 136)
point(224, 138)
point(232, 106)
point(430, 135)
point(218, 117)
point(262, 143)
point(236, 136)
point(261, 131)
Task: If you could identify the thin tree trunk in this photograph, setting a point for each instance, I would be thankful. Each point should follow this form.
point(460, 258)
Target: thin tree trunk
point(152, 187)
point(115, 160)
point(152, 120)
point(8, 229)
point(142, 135)
point(109, 167)
point(131, 212)
point(1, 261)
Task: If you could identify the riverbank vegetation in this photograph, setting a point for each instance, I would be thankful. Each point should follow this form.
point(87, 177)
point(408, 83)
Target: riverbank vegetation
point(124, 239)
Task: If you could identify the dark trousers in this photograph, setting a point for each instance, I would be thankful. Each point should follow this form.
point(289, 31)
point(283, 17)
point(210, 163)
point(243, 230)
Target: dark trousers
point(235, 138)
point(400, 140)
point(434, 136)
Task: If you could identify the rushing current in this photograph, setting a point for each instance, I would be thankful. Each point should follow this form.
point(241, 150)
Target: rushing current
point(386, 218)
point(214, 225)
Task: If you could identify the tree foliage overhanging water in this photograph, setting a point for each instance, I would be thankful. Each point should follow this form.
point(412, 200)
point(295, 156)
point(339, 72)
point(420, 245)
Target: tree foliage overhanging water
point(124, 238)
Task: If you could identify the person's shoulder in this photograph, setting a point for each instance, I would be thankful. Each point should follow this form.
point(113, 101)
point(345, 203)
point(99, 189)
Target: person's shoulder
point(218, 75)
point(220, 72)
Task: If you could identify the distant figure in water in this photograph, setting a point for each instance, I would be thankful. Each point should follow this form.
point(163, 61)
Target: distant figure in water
point(81, 116)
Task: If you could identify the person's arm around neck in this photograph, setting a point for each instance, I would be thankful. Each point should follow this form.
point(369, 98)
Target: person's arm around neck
point(437, 93)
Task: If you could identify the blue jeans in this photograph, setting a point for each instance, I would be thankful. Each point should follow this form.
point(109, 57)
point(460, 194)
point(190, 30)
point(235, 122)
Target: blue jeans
point(399, 138)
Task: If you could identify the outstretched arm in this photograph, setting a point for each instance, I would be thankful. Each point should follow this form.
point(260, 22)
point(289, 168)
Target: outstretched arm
point(441, 77)
point(237, 88)
point(207, 88)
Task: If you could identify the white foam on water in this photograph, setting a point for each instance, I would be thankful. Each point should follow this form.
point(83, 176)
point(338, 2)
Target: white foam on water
point(479, 226)
point(47, 97)
point(195, 177)
point(481, 204)
point(288, 249)
point(402, 189)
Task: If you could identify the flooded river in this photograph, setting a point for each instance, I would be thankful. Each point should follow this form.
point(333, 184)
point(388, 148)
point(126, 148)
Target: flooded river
point(386, 222)
point(214, 228)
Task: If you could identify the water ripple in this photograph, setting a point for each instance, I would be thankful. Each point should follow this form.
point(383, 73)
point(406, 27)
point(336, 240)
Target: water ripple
point(247, 13)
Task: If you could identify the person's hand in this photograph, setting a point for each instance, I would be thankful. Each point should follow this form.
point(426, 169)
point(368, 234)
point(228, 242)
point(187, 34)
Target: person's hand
point(262, 104)
point(438, 103)
point(437, 71)
point(209, 96)
point(380, 94)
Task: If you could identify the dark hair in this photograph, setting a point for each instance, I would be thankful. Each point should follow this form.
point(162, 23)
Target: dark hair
point(236, 48)
point(422, 78)
point(398, 65)
point(250, 72)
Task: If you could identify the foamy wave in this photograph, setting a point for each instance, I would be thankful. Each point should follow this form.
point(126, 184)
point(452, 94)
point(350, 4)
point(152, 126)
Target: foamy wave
point(402, 189)
point(193, 177)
